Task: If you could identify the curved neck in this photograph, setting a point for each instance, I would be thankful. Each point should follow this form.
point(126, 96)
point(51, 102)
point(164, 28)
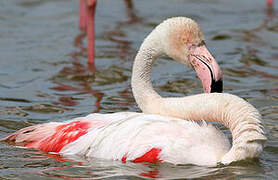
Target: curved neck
point(240, 117)
point(142, 88)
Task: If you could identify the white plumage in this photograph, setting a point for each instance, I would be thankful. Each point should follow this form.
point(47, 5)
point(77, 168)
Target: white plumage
point(165, 131)
point(134, 134)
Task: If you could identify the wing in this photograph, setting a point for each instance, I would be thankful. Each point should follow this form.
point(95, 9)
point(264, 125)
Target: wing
point(148, 137)
point(53, 136)
point(126, 136)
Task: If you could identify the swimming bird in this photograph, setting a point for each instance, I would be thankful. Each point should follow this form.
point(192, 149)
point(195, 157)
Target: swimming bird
point(166, 130)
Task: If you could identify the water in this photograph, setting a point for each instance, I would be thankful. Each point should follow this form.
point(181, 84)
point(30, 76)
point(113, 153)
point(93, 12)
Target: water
point(44, 77)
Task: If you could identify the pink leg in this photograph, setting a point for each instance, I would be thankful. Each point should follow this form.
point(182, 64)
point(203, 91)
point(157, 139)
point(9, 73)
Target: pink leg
point(82, 15)
point(91, 29)
point(269, 3)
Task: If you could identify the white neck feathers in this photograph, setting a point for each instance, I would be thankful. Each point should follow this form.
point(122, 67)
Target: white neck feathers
point(239, 116)
point(242, 119)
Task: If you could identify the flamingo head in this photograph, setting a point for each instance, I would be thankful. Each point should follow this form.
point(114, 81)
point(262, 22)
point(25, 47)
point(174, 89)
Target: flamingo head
point(185, 43)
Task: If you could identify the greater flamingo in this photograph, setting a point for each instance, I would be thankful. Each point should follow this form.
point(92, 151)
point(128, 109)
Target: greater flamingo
point(165, 131)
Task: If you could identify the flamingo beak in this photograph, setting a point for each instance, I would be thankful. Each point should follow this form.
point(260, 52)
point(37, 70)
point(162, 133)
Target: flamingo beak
point(207, 69)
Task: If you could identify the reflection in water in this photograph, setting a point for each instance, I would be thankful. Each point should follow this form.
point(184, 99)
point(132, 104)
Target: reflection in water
point(116, 36)
point(99, 169)
point(55, 172)
point(132, 17)
point(126, 93)
point(78, 167)
point(87, 25)
point(255, 41)
point(79, 70)
point(153, 172)
point(34, 43)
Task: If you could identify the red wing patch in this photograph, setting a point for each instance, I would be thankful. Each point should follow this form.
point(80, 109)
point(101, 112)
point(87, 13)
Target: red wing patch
point(124, 159)
point(65, 134)
point(151, 155)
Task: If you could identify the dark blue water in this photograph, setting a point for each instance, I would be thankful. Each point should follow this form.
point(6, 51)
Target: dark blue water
point(44, 77)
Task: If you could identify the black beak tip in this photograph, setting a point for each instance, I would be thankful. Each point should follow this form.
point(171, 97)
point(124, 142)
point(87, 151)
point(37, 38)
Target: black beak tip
point(216, 86)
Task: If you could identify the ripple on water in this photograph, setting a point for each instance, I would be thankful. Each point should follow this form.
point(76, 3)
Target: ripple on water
point(44, 77)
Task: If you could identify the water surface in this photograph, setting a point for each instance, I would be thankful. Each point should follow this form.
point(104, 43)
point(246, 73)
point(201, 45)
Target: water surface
point(44, 77)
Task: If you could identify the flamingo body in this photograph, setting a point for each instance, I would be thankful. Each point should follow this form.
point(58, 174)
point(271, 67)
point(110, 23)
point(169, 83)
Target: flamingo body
point(165, 131)
point(129, 136)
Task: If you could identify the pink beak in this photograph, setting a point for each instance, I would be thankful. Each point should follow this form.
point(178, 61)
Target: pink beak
point(207, 69)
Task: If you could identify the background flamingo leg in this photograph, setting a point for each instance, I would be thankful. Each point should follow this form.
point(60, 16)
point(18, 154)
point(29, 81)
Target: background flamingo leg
point(269, 3)
point(82, 15)
point(87, 24)
point(91, 30)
